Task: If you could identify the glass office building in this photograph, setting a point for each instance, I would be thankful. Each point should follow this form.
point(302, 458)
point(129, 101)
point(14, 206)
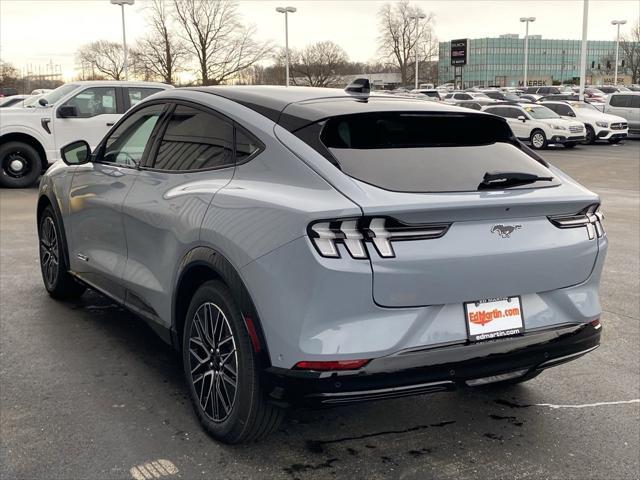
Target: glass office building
point(499, 61)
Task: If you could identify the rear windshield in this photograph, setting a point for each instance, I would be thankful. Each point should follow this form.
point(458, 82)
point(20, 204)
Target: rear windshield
point(409, 152)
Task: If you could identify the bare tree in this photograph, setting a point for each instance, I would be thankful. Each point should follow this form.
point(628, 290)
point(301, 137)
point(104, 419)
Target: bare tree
point(104, 56)
point(630, 52)
point(161, 54)
point(318, 65)
point(399, 37)
point(222, 46)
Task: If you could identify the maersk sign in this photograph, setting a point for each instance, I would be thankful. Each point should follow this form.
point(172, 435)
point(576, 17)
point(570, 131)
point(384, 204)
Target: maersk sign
point(499, 61)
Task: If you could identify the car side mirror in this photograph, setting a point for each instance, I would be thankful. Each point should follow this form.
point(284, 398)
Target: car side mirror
point(522, 118)
point(66, 111)
point(76, 153)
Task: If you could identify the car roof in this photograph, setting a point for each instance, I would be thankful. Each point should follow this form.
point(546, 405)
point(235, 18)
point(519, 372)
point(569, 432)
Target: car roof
point(296, 107)
point(120, 83)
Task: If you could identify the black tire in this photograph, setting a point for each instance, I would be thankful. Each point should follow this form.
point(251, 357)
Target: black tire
point(538, 139)
point(53, 264)
point(569, 144)
point(590, 136)
point(20, 165)
point(249, 416)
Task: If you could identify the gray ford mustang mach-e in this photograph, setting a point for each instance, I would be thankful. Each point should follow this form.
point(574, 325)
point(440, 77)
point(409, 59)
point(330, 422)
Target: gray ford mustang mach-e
point(326, 246)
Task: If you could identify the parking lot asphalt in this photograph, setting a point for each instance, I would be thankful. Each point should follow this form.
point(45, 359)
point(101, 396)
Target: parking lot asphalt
point(88, 391)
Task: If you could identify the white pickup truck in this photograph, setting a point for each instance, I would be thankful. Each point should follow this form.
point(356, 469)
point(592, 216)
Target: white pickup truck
point(31, 137)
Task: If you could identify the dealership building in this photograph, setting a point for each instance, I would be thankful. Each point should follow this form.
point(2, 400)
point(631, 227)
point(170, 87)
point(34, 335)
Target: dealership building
point(499, 61)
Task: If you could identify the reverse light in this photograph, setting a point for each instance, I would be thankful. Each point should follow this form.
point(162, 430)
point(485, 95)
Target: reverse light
point(331, 365)
point(380, 232)
point(591, 218)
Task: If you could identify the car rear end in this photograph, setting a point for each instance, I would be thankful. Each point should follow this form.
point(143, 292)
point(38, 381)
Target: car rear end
point(452, 272)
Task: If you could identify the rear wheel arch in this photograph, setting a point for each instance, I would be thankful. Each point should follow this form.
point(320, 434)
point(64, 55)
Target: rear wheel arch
point(200, 265)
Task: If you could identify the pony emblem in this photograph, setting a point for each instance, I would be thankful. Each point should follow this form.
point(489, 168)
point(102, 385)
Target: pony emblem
point(505, 231)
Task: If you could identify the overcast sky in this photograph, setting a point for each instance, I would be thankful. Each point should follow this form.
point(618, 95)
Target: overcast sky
point(39, 31)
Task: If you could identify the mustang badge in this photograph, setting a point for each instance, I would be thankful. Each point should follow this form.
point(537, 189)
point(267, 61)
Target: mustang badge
point(505, 231)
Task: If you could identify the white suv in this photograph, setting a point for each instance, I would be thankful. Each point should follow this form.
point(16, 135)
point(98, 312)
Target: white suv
point(31, 138)
point(539, 125)
point(600, 126)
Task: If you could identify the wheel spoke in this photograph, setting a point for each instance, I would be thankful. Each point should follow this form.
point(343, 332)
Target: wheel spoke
point(227, 339)
point(226, 357)
point(221, 396)
point(228, 379)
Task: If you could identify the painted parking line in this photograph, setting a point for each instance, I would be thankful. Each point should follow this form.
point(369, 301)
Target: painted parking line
point(155, 469)
point(587, 405)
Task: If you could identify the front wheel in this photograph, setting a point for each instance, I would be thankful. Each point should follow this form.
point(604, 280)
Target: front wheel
point(538, 140)
point(590, 137)
point(53, 265)
point(222, 371)
point(20, 165)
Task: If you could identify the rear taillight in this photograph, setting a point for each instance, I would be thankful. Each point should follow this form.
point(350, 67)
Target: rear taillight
point(591, 218)
point(380, 232)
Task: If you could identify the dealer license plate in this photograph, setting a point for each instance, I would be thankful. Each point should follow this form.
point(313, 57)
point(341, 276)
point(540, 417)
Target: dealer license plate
point(494, 318)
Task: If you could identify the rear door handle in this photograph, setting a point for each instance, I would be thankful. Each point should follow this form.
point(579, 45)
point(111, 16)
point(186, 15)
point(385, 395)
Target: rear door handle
point(110, 124)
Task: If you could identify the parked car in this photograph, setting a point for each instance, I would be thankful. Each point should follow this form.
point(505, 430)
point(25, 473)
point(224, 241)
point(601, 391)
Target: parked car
point(430, 92)
point(540, 125)
point(476, 104)
point(627, 106)
point(503, 96)
point(598, 125)
point(41, 91)
point(543, 90)
point(12, 100)
point(530, 97)
point(333, 266)
point(8, 91)
point(31, 138)
point(453, 97)
point(596, 102)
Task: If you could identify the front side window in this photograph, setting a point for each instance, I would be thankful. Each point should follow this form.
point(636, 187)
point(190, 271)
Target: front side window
point(195, 140)
point(94, 101)
point(139, 93)
point(127, 143)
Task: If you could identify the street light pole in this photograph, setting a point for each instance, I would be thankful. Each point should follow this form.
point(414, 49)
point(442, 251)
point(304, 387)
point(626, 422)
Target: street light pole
point(286, 11)
point(583, 50)
point(122, 3)
point(417, 17)
point(526, 20)
point(617, 23)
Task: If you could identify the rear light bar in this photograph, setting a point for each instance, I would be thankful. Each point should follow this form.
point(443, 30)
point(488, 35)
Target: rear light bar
point(354, 234)
point(331, 365)
point(591, 218)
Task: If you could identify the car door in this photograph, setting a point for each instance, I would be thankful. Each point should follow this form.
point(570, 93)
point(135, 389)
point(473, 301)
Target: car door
point(97, 244)
point(191, 160)
point(98, 109)
point(520, 129)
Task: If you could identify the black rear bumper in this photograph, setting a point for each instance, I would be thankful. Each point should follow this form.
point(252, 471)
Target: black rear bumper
point(434, 369)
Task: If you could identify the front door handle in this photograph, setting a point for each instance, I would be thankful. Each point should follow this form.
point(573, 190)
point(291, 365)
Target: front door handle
point(110, 124)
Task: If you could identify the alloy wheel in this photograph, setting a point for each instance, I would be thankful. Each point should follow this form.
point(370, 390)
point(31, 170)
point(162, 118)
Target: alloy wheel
point(538, 140)
point(213, 360)
point(49, 258)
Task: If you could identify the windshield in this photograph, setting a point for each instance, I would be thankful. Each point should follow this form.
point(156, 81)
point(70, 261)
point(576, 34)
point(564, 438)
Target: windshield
point(541, 113)
point(58, 93)
point(585, 106)
point(31, 101)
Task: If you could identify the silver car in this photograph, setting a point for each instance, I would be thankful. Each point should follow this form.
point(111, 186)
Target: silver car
point(320, 246)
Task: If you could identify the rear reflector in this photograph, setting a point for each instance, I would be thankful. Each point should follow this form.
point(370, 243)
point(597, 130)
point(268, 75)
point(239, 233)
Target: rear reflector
point(330, 366)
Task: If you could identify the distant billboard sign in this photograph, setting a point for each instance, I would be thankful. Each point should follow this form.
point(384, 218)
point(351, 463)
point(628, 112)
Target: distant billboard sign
point(459, 52)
